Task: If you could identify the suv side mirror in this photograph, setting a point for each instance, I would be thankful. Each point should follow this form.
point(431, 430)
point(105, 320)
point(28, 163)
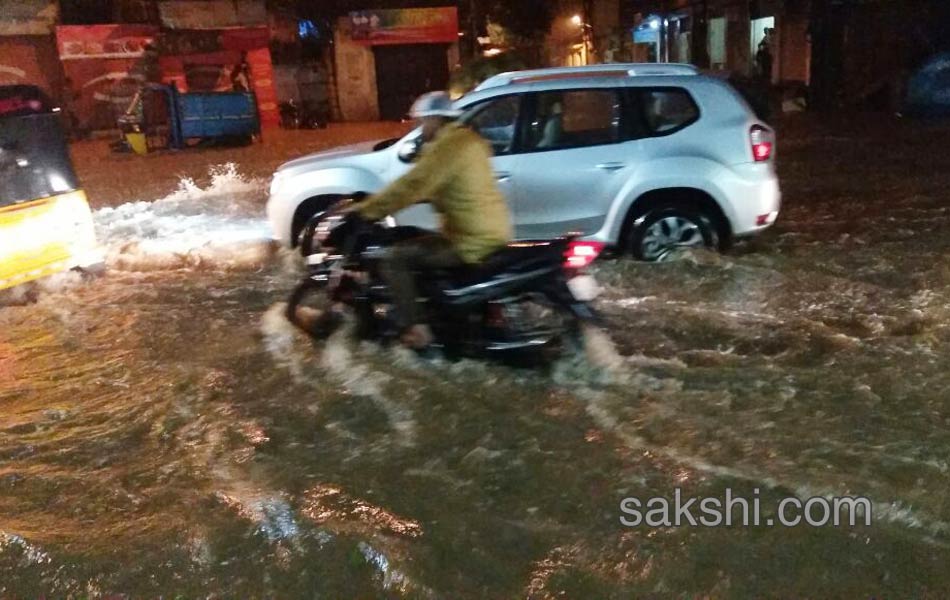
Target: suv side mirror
point(409, 149)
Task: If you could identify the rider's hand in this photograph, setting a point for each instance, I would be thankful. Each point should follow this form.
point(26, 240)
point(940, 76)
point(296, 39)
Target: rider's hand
point(345, 208)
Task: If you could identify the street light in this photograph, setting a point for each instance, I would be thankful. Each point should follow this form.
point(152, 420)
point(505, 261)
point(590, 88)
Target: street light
point(657, 30)
point(578, 21)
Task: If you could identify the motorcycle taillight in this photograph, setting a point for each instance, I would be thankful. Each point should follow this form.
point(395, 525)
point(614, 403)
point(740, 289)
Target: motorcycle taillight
point(580, 254)
point(495, 315)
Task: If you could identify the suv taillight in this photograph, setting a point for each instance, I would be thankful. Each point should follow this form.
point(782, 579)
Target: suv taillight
point(763, 143)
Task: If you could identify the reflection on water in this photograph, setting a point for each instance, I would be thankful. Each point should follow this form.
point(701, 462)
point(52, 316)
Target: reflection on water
point(166, 432)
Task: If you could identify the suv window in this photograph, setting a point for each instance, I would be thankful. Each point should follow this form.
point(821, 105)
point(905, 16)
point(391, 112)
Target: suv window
point(573, 119)
point(667, 110)
point(496, 120)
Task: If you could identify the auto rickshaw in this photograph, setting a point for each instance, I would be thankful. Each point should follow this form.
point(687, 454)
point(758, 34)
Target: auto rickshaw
point(45, 222)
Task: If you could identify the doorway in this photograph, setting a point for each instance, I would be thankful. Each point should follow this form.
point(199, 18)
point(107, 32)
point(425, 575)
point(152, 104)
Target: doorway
point(758, 31)
point(405, 72)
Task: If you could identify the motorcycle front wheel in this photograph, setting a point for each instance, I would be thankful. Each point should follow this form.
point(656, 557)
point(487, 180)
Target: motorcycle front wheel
point(309, 310)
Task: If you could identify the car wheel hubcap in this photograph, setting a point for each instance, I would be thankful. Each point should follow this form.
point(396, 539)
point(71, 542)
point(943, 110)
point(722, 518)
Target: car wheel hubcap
point(669, 233)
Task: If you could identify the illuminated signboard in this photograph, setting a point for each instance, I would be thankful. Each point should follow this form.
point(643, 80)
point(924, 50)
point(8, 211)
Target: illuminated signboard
point(404, 26)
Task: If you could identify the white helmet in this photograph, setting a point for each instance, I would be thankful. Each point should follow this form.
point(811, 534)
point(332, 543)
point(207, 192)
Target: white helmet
point(434, 104)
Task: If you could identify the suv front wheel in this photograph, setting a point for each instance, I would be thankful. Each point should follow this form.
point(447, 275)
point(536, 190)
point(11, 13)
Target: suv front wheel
point(658, 234)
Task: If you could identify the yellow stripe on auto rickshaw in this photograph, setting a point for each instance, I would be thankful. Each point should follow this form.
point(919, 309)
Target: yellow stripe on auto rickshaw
point(24, 253)
point(24, 277)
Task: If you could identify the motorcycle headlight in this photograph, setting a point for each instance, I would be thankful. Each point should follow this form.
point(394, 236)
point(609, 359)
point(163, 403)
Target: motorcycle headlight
point(323, 236)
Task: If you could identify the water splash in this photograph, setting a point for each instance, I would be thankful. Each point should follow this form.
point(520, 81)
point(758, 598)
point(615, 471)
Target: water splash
point(28, 552)
point(218, 226)
point(347, 367)
point(356, 376)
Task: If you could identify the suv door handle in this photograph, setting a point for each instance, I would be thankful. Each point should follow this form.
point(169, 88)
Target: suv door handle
point(502, 176)
point(610, 167)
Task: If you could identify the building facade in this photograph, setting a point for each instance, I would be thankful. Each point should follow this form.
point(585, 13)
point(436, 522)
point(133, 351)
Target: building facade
point(94, 56)
point(865, 50)
point(27, 46)
point(385, 59)
point(847, 52)
point(743, 37)
point(585, 32)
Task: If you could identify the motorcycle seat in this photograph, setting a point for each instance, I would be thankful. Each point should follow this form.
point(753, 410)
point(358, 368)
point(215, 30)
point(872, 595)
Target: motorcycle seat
point(514, 258)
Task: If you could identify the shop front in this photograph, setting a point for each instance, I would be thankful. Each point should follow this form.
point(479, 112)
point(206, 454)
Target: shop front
point(387, 58)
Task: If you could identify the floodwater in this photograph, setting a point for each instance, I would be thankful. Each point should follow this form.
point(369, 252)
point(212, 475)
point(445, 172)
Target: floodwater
point(165, 433)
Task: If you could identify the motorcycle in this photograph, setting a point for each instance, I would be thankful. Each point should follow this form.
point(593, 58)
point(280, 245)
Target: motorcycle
point(520, 306)
point(293, 116)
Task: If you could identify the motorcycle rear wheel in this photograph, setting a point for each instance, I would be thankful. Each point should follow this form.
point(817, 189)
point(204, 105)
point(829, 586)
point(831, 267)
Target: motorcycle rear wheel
point(545, 322)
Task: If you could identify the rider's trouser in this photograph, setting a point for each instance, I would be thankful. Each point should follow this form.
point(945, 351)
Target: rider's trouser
point(402, 265)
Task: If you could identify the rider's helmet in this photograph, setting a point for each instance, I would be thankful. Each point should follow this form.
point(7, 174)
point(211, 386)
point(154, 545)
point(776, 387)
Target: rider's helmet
point(434, 104)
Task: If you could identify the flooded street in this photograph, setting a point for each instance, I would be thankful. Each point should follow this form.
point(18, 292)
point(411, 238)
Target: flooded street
point(164, 432)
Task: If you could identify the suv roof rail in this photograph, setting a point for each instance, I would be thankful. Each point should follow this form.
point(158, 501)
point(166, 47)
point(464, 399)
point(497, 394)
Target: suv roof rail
point(590, 71)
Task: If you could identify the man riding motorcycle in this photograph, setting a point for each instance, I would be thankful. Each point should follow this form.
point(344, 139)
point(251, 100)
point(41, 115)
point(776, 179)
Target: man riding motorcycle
point(454, 173)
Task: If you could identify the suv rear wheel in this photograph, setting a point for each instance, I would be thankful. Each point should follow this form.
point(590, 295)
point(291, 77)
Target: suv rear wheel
point(656, 235)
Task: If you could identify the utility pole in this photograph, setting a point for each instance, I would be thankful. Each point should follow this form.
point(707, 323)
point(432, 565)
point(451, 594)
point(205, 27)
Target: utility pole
point(588, 30)
point(700, 39)
point(473, 28)
point(826, 30)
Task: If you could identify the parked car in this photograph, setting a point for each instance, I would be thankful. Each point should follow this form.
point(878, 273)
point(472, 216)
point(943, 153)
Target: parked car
point(641, 157)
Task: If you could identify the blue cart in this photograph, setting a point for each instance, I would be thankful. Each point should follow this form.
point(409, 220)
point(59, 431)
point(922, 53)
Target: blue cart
point(162, 117)
point(928, 91)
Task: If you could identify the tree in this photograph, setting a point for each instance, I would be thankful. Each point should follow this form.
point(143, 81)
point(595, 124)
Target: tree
point(518, 24)
point(479, 69)
point(826, 31)
point(526, 19)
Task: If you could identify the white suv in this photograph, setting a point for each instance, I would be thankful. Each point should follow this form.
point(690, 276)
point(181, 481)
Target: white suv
point(642, 157)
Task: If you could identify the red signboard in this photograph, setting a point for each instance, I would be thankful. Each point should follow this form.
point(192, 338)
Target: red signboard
point(247, 38)
point(105, 65)
point(77, 42)
point(404, 26)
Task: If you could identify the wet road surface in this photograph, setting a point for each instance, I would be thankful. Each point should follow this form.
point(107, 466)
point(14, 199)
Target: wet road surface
point(164, 432)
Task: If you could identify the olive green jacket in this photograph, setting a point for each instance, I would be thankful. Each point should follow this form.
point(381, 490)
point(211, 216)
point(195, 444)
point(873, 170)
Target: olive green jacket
point(454, 172)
